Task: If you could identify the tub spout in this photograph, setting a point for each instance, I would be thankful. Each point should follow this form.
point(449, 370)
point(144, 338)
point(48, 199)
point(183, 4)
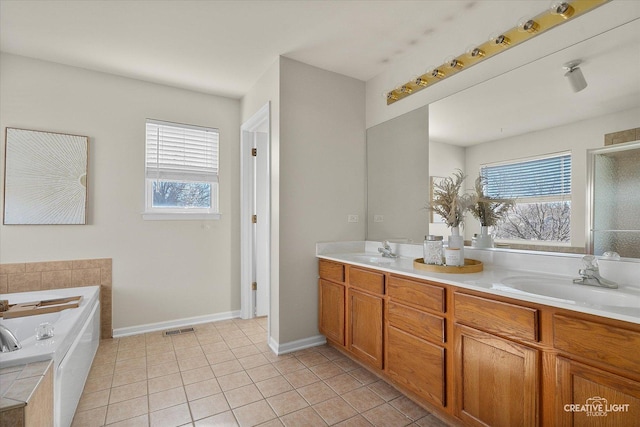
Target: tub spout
point(8, 341)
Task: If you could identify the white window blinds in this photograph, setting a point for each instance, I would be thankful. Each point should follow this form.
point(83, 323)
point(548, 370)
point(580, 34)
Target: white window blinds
point(181, 152)
point(549, 176)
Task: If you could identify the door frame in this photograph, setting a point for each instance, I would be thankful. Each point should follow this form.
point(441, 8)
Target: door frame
point(247, 170)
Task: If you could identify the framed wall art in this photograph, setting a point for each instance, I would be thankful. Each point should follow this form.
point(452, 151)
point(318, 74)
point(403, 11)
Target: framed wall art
point(45, 179)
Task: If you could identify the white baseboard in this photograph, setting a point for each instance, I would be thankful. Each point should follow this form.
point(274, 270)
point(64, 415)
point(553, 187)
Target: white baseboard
point(296, 345)
point(161, 326)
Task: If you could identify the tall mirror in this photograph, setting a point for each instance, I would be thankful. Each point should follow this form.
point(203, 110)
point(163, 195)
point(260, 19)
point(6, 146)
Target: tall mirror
point(529, 113)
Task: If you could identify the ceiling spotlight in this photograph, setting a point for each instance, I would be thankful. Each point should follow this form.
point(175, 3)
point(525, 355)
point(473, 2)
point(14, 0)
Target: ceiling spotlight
point(574, 75)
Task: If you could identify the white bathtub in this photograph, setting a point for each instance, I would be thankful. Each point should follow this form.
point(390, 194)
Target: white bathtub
point(72, 348)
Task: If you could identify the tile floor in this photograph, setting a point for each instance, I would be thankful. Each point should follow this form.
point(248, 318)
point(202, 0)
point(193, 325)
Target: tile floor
point(224, 374)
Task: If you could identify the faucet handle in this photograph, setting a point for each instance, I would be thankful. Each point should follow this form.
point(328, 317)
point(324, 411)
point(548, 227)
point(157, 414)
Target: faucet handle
point(590, 262)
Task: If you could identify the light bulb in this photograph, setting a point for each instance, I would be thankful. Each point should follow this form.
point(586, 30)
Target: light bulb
point(563, 9)
point(526, 25)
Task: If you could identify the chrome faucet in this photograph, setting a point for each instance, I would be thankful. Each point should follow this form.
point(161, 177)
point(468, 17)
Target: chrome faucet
point(590, 274)
point(8, 341)
point(386, 251)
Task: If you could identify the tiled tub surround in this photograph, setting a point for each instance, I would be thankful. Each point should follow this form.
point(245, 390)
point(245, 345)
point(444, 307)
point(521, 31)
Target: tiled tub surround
point(500, 264)
point(26, 394)
point(39, 276)
point(72, 348)
point(225, 374)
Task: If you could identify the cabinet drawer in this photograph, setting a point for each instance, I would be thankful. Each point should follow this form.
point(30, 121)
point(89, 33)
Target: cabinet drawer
point(416, 322)
point(417, 365)
point(417, 293)
point(367, 280)
point(501, 318)
point(331, 271)
point(592, 340)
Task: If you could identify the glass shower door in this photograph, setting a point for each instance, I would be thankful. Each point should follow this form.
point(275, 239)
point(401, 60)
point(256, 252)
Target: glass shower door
point(615, 200)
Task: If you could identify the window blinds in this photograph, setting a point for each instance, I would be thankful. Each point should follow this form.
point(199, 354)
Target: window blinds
point(549, 176)
point(181, 152)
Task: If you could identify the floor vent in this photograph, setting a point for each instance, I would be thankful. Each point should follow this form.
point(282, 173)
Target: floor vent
point(178, 331)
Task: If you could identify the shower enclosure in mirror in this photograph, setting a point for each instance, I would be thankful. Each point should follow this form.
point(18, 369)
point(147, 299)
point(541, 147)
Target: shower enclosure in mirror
point(614, 185)
point(45, 177)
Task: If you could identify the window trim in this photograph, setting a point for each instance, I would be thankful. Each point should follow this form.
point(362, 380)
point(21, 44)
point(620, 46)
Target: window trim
point(188, 213)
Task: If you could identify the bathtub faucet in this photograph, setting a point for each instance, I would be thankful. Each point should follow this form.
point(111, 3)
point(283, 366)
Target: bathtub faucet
point(8, 341)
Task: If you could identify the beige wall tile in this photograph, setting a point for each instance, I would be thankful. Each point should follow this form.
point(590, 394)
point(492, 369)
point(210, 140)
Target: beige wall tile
point(106, 276)
point(56, 279)
point(32, 267)
point(91, 263)
point(12, 268)
point(85, 277)
point(13, 417)
point(24, 282)
point(4, 284)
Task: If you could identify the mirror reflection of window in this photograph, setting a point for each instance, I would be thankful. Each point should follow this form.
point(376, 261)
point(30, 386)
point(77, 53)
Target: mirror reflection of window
point(541, 188)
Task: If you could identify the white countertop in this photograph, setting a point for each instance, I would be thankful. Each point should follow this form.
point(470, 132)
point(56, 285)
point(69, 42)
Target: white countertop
point(556, 290)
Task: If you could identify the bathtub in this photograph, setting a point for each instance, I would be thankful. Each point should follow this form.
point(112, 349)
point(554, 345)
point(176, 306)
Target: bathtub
point(72, 348)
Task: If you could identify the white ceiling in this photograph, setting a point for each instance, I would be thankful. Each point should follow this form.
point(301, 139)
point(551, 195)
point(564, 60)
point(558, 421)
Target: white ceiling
point(223, 47)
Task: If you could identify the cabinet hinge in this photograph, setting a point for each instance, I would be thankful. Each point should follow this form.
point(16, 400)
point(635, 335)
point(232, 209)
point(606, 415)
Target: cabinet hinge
point(254, 152)
point(254, 219)
point(254, 286)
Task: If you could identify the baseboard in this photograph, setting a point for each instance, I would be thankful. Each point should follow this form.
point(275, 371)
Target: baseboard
point(161, 326)
point(296, 345)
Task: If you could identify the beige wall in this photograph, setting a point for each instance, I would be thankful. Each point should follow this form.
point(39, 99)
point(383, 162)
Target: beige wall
point(322, 180)
point(162, 270)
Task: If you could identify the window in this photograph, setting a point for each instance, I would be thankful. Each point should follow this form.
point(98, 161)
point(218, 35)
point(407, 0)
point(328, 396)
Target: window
point(542, 190)
point(181, 171)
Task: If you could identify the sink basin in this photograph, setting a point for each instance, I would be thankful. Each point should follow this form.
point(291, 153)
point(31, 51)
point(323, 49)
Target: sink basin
point(566, 290)
point(373, 259)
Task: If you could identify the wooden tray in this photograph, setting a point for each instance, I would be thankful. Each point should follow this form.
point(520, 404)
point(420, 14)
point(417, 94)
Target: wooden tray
point(470, 266)
point(40, 307)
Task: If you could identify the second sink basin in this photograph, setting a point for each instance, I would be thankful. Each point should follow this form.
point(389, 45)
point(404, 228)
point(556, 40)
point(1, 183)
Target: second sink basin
point(566, 290)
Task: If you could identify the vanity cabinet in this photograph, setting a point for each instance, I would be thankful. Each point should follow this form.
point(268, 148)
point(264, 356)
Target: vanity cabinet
point(481, 359)
point(597, 367)
point(364, 312)
point(496, 372)
point(415, 338)
point(331, 298)
point(496, 380)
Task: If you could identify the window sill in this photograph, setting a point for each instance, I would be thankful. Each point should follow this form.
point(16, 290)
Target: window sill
point(157, 216)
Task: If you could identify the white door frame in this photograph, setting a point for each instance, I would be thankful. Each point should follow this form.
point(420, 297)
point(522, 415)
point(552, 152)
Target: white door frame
point(248, 207)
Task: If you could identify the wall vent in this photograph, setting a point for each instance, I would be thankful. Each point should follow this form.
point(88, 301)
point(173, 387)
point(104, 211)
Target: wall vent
point(178, 331)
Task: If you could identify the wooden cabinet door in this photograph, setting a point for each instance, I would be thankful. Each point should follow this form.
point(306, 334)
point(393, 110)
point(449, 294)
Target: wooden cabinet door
point(365, 327)
point(331, 311)
point(496, 380)
point(588, 396)
point(416, 364)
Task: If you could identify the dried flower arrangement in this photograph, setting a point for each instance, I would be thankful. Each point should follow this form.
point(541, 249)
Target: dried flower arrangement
point(488, 210)
point(447, 200)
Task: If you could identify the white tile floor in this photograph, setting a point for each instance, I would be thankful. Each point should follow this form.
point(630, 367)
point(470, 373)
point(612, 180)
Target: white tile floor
point(224, 374)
